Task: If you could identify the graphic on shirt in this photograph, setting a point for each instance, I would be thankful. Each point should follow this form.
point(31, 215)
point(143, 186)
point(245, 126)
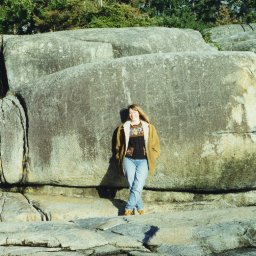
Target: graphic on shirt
point(136, 147)
point(136, 130)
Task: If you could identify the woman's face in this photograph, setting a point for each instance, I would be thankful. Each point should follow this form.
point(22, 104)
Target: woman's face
point(134, 115)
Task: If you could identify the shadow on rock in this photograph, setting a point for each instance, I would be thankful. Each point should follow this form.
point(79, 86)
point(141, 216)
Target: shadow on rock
point(108, 186)
point(149, 234)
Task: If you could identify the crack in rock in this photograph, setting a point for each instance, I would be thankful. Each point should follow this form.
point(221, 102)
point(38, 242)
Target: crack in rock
point(2, 178)
point(23, 120)
point(2, 207)
point(44, 215)
point(231, 132)
point(13, 171)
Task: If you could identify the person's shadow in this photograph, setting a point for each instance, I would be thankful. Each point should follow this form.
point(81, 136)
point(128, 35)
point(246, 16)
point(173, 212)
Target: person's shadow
point(113, 175)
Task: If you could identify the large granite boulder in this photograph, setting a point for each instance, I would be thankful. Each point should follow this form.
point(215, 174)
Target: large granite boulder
point(226, 31)
point(30, 57)
point(201, 104)
point(235, 37)
point(144, 40)
point(13, 140)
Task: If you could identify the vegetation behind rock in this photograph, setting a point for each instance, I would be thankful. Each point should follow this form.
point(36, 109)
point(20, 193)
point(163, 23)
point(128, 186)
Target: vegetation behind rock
point(36, 16)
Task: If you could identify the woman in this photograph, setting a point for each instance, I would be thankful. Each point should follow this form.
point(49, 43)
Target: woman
point(137, 148)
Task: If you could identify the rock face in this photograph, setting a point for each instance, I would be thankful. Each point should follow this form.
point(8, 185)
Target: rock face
point(13, 143)
point(138, 41)
point(14, 207)
point(78, 109)
point(30, 57)
point(65, 97)
point(201, 101)
point(235, 37)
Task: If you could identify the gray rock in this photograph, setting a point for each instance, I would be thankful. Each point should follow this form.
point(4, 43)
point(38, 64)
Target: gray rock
point(74, 113)
point(13, 140)
point(216, 232)
point(137, 253)
point(30, 57)
point(230, 30)
point(235, 37)
point(240, 252)
point(14, 207)
point(30, 251)
point(144, 40)
point(247, 45)
point(71, 208)
point(176, 250)
point(96, 211)
point(31, 207)
point(50, 235)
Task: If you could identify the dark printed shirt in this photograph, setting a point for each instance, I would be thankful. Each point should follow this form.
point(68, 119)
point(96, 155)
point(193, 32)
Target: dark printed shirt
point(136, 147)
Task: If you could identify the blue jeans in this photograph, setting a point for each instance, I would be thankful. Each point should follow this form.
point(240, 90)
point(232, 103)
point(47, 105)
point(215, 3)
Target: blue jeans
point(136, 171)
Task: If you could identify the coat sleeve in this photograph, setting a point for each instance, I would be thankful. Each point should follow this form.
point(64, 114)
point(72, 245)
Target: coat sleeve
point(118, 143)
point(155, 142)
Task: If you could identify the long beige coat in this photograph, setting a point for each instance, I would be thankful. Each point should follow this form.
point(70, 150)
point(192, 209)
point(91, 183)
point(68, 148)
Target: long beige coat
point(151, 143)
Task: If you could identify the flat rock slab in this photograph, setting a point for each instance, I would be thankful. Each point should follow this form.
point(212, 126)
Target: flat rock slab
point(68, 208)
point(49, 234)
point(215, 232)
point(14, 207)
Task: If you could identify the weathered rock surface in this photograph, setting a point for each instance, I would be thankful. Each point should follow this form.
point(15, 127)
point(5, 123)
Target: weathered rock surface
point(144, 40)
point(68, 208)
point(235, 37)
point(73, 114)
point(30, 57)
point(14, 207)
point(231, 30)
point(13, 140)
point(18, 207)
point(219, 232)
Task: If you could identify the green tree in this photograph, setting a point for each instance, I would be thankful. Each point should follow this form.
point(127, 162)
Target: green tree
point(248, 11)
point(225, 16)
point(57, 15)
point(119, 15)
point(16, 16)
point(207, 10)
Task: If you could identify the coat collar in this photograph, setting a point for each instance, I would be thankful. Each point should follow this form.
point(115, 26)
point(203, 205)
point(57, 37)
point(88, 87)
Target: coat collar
point(127, 126)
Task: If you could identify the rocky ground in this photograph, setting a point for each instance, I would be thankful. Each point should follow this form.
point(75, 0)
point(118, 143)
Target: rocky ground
point(223, 224)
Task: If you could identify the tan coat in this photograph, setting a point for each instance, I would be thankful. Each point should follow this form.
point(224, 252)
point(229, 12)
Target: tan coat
point(151, 143)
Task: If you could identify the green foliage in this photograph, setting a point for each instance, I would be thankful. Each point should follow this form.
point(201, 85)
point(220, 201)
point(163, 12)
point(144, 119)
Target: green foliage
point(182, 17)
point(224, 16)
point(62, 14)
point(119, 15)
point(15, 16)
point(33, 16)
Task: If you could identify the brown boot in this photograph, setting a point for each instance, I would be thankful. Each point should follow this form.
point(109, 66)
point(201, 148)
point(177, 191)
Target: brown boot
point(141, 212)
point(128, 212)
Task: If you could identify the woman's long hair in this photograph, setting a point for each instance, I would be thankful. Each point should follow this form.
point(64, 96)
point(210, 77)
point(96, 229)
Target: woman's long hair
point(143, 115)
